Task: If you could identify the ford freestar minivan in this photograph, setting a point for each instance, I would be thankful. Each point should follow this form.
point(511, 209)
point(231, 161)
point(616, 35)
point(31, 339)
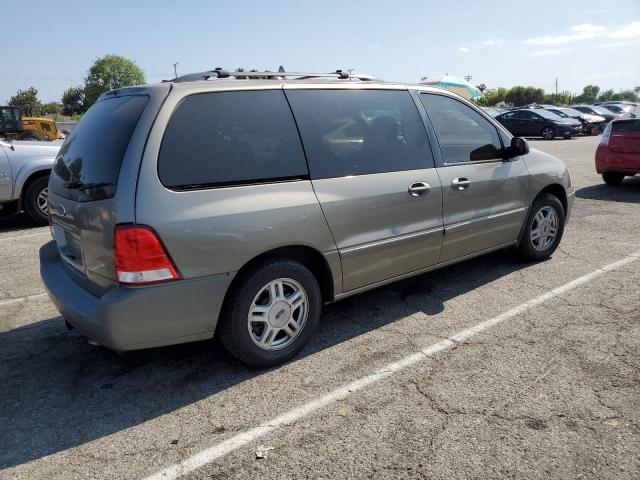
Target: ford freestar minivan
point(240, 206)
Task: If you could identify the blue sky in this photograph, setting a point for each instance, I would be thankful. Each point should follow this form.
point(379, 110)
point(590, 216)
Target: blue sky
point(499, 43)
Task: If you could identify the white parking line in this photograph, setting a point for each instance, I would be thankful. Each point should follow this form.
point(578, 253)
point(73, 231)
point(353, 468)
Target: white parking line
point(9, 301)
point(221, 449)
point(20, 237)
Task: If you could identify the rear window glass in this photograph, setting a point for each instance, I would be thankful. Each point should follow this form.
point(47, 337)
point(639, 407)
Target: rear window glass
point(231, 138)
point(359, 132)
point(88, 164)
point(626, 126)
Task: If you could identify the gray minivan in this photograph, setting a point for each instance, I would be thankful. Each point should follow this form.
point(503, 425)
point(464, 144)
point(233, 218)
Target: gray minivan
point(240, 206)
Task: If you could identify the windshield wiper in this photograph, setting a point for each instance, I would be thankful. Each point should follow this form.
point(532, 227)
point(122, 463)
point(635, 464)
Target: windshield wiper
point(77, 185)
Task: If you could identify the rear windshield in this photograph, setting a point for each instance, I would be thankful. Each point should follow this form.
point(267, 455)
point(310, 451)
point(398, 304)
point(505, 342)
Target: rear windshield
point(88, 164)
point(626, 126)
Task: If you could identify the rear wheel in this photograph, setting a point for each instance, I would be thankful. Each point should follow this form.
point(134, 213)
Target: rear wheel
point(548, 133)
point(613, 178)
point(36, 201)
point(271, 314)
point(543, 228)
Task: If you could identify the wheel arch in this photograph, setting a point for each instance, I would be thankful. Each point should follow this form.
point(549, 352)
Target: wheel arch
point(558, 191)
point(311, 258)
point(26, 182)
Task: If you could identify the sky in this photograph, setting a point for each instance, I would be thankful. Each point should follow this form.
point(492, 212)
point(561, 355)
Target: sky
point(497, 42)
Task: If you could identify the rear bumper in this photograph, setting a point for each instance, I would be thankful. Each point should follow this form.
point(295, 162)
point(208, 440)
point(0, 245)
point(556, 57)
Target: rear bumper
point(608, 161)
point(134, 318)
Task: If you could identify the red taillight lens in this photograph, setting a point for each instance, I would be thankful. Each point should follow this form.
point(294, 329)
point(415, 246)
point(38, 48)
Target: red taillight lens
point(140, 257)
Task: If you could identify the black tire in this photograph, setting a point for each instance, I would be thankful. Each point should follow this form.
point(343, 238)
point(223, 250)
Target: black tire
point(613, 179)
point(233, 329)
point(548, 133)
point(526, 250)
point(30, 201)
point(595, 131)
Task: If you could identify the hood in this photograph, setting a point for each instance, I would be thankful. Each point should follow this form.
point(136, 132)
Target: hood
point(32, 149)
point(593, 118)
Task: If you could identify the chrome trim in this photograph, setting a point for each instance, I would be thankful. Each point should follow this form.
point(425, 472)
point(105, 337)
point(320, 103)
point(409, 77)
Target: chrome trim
point(371, 246)
point(482, 219)
point(414, 273)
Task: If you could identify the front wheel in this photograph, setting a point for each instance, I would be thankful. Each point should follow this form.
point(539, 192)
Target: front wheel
point(271, 313)
point(543, 228)
point(36, 201)
point(548, 133)
point(613, 178)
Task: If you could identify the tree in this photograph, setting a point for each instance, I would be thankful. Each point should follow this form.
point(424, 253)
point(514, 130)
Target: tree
point(561, 98)
point(482, 87)
point(108, 73)
point(52, 107)
point(519, 96)
point(492, 96)
point(28, 102)
point(589, 94)
point(73, 101)
point(628, 95)
point(606, 95)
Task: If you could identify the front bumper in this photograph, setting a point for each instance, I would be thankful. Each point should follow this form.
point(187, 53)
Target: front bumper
point(131, 318)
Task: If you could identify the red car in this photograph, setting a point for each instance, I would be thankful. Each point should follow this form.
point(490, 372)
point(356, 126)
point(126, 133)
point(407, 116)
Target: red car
point(618, 154)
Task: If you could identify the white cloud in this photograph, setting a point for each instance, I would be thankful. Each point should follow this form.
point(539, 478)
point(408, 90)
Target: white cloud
point(585, 32)
point(551, 51)
point(492, 42)
point(374, 46)
point(631, 30)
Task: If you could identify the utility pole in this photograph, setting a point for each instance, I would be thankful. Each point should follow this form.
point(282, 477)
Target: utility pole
point(556, 89)
point(175, 70)
point(468, 78)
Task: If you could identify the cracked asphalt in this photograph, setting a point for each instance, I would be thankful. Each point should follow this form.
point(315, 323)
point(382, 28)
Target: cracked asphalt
point(553, 392)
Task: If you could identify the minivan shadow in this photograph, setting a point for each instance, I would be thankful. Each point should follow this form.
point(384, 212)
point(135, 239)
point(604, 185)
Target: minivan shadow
point(627, 192)
point(59, 392)
point(16, 221)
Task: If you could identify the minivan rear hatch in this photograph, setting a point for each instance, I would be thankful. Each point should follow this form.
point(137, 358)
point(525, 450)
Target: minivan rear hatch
point(93, 182)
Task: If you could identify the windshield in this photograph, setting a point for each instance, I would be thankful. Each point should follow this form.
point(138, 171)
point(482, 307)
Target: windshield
point(600, 110)
point(548, 115)
point(88, 164)
point(571, 112)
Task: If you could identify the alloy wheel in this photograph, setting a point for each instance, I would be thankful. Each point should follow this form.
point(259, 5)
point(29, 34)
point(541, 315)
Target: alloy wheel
point(544, 228)
point(42, 201)
point(278, 313)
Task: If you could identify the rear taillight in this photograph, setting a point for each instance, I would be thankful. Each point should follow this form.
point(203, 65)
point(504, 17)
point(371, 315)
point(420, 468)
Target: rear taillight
point(140, 257)
point(606, 135)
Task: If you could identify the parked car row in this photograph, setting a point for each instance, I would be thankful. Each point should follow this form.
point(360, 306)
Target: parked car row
point(550, 121)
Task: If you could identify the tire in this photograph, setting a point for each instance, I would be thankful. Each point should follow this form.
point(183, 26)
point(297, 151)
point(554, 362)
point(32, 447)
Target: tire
point(33, 202)
point(595, 131)
point(613, 179)
point(240, 333)
point(535, 249)
point(548, 133)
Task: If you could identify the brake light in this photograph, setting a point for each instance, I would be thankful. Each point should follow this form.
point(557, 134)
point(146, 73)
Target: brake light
point(140, 257)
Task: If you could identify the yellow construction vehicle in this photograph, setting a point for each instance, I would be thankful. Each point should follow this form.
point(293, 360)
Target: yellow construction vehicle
point(13, 126)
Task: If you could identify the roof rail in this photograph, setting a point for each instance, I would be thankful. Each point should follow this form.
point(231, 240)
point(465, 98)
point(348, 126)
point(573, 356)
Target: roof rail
point(219, 72)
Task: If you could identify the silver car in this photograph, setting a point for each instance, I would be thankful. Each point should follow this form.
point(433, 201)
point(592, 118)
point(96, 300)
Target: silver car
point(24, 176)
point(238, 207)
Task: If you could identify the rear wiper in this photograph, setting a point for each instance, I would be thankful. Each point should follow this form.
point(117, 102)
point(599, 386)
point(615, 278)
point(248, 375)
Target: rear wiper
point(77, 185)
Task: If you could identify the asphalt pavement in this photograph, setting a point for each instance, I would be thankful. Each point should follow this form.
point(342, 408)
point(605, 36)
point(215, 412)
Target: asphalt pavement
point(486, 369)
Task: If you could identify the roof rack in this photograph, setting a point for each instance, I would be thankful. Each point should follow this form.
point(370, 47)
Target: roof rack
point(219, 72)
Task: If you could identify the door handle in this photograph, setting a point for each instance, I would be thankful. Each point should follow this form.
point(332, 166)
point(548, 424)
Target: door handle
point(460, 183)
point(418, 189)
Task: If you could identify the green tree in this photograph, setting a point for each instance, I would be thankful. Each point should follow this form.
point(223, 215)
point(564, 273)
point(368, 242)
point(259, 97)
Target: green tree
point(108, 73)
point(562, 98)
point(628, 95)
point(492, 97)
point(589, 94)
point(28, 102)
point(482, 87)
point(52, 107)
point(519, 96)
point(606, 95)
point(73, 101)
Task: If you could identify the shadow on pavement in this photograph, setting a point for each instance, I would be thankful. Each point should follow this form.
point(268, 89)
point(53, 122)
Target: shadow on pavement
point(59, 392)
point(15, 222)
point(627, 192)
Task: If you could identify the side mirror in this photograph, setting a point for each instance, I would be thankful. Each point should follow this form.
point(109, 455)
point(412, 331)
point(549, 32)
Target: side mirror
point(518, 147)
